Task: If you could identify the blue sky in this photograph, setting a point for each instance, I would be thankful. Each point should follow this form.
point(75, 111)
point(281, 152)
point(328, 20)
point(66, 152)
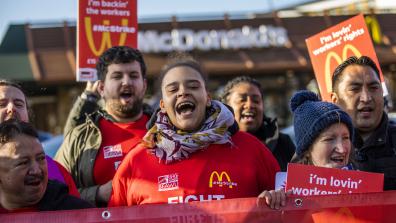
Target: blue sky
point(22, 11)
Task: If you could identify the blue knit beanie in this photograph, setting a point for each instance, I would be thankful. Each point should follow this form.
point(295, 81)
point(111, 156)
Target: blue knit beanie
point(312, 116)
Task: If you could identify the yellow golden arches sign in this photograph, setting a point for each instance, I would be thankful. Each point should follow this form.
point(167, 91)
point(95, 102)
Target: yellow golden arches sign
point(374, 28)
point(106, 39)
point(338, 59)
point(219, 179)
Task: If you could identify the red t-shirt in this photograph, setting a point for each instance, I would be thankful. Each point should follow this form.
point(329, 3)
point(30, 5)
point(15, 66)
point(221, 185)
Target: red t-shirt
point(117, 140)
point(219, 172)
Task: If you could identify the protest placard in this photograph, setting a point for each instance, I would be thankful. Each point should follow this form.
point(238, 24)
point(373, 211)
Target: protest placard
point(101, 25)
point(307, 180)
point(330, 47)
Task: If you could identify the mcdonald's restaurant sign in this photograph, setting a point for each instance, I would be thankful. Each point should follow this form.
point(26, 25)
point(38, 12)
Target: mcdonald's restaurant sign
point(332, 46)
point(151, 41)
point(101, 25)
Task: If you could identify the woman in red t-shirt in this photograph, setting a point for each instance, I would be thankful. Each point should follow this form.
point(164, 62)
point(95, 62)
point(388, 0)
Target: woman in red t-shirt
point(193, 150)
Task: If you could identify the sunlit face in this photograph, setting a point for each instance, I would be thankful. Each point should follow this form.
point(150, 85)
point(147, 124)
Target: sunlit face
point(12, 104)
point(332, 147)
point(123, 90)
point(184, 98)
point(360, 94)
point(247, 103)
point(23, 172)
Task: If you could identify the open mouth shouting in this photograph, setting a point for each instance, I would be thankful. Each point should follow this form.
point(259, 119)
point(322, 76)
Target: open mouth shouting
point(185, 109)
point(338, 160)
point(248, 116)
point(126, 96)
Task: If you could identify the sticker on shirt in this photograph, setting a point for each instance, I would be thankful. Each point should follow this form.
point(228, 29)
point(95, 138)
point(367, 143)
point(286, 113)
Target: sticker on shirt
point(222, 179)
point(168, 182)
point(117, 164)
point(112, 151)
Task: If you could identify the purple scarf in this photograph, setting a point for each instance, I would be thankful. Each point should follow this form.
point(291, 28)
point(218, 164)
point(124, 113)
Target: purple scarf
point(53, 171)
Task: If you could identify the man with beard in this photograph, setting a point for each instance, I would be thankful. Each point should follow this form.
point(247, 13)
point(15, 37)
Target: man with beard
point(13, 105)
point(93, 150)
point(245, 96)
point(357, 90)
point(88, 102)
point(24, 184)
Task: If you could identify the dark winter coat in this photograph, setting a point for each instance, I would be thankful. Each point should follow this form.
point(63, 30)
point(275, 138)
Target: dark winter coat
point(57, 197)
point(281, 146)
point(377, 153)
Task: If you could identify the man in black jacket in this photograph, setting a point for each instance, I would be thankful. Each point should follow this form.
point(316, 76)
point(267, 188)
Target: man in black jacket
point(24, 184)
point(357, 90)
point(244, 95)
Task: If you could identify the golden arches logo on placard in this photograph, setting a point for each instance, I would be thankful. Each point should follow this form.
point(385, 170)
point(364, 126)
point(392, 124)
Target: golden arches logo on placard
point(374, 28)
point(220, 181)
point(338, 59)
point(106, 38)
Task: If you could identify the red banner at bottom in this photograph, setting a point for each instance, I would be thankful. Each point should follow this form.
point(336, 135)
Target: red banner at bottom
point(371, 207)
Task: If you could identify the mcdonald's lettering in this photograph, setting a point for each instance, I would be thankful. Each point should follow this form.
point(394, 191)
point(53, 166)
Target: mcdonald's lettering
point(332, 55)
point(220, 182)
point(106, 29)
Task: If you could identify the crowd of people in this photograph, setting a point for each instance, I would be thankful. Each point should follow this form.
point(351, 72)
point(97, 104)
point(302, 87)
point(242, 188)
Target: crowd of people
point(118, 151)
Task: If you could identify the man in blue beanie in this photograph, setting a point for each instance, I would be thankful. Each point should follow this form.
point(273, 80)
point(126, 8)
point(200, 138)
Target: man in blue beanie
point(357, 90)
